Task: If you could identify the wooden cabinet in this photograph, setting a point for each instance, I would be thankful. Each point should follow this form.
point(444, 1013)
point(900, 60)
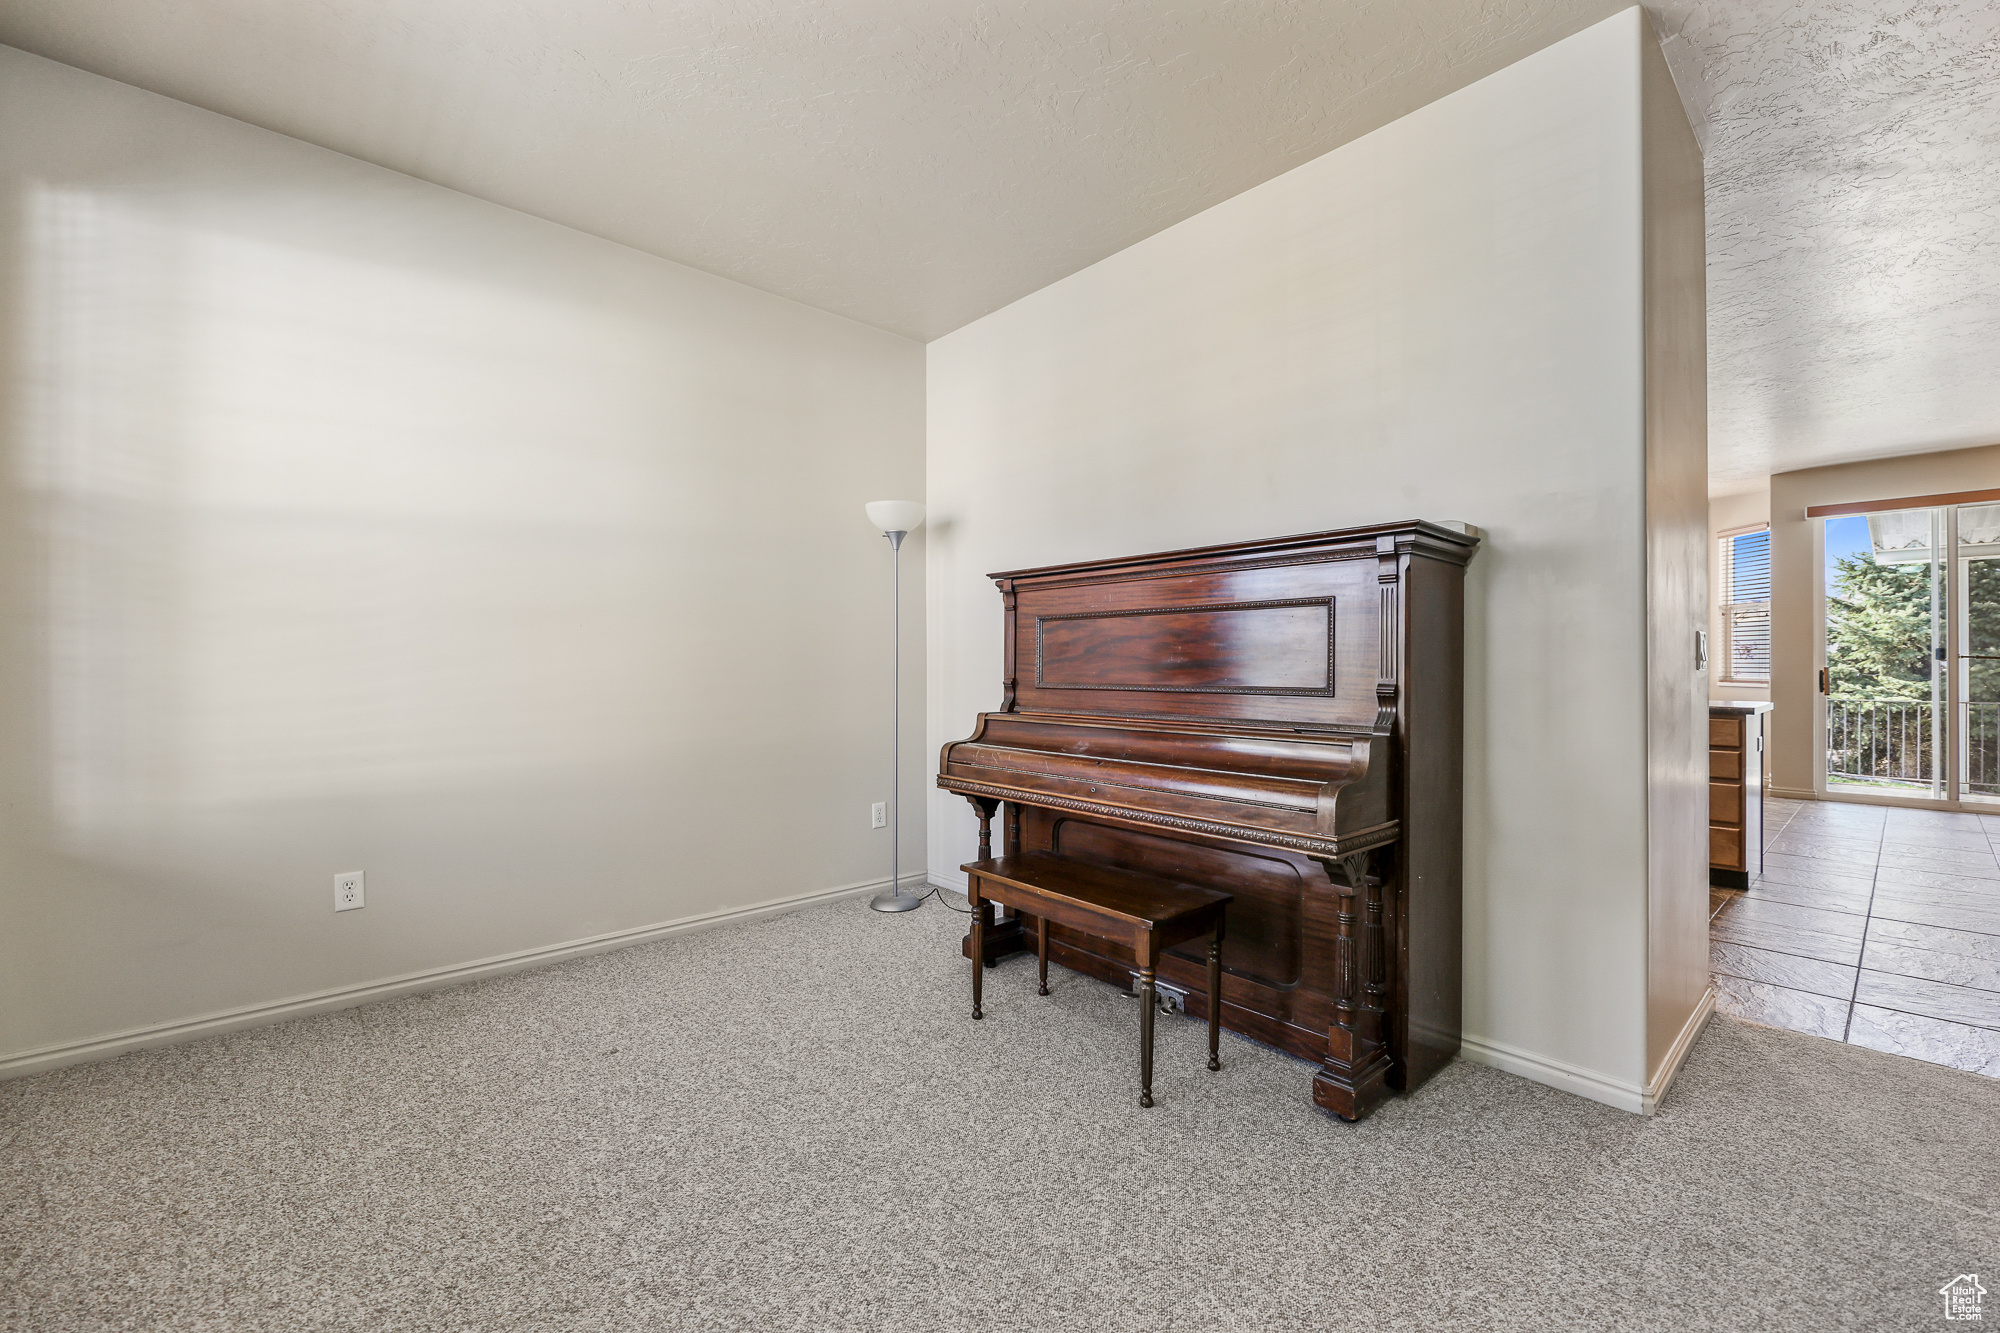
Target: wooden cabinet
point(1736, 792)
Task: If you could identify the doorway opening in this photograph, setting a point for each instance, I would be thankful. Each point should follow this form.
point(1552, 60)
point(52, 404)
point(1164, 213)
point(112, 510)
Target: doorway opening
point(1910, 636)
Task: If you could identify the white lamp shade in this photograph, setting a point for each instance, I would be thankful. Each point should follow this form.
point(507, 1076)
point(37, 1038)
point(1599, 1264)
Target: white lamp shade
point(896, 515)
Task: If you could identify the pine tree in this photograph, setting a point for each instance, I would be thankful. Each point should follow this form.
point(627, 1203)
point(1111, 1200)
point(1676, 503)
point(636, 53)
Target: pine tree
point(1878, 631)
point(1982, 631)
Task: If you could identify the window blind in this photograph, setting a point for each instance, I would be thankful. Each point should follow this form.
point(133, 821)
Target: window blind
point(1745, 561)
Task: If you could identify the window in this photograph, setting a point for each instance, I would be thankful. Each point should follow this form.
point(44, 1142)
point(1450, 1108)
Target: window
point(1745, 562)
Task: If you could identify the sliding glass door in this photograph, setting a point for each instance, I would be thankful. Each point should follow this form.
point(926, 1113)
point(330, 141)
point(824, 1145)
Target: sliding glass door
point(1887, 620)
point(1975, 651)
point(1911, 687)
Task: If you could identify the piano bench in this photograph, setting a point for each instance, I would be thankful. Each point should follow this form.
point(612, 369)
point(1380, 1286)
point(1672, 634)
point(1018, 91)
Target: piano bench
point(1148, 914)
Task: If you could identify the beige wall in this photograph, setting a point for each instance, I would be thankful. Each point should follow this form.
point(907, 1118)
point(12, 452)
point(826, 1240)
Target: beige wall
point(1797, 579)
point(1677, 596)
point(349, 523)
point(1445, 319)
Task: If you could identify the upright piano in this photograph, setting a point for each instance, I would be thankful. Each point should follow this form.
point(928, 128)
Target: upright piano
point(1282, 719)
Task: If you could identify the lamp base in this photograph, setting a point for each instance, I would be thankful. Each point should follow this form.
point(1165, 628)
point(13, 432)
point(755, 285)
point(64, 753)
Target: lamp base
point(894, 900)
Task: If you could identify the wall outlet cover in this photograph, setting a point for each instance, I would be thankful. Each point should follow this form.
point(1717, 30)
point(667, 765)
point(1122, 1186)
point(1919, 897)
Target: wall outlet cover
point(349, 891)
point(878, 815)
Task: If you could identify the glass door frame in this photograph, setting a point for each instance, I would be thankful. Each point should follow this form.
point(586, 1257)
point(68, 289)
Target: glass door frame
point(1960, 674)
point(1950, 678)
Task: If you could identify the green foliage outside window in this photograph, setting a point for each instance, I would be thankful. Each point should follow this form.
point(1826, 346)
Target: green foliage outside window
point(1878, 631)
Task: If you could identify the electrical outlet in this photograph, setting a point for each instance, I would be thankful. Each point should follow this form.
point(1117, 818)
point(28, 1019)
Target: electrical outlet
point(1167, 997)
point(349, 891)
point(878, 815)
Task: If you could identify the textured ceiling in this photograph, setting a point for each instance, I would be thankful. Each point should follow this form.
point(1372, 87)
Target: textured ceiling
point(1853, 163)
point(916, 165)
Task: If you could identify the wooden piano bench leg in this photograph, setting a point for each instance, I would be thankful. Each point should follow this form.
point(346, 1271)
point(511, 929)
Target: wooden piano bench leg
point(1147, 1001)
point(1042, 952)
point(982, 917)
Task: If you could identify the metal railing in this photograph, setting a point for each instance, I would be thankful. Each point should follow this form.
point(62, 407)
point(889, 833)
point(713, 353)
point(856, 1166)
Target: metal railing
point(1982, 748)
point(1880, 741)
point(1893, 742)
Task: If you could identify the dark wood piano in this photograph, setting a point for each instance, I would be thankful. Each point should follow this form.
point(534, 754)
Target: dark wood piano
point(1282, 719)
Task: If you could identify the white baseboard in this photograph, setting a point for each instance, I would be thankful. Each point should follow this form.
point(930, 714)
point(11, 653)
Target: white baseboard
point(1626, 1096)
point(1677, 1054)
point(1792, 793)
point(1861, 796)
point(1555, 1073)
point(45, 1058)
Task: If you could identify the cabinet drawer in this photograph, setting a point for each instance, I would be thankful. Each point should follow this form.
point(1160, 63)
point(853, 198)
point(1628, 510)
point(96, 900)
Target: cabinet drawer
point(1725, 733)
point(1725, 848)
point(1725, 803)
point(1725, 765)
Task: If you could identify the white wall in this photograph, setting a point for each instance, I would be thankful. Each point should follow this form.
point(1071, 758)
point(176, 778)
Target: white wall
point(347, 522)
point(1444, 319)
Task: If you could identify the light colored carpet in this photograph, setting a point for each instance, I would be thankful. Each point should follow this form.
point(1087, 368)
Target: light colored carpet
point(794, 1125)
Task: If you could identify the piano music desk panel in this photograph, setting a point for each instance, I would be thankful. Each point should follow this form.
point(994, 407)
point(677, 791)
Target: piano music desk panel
point(1240, 647)
point(1291, 644)
point(1277, 719)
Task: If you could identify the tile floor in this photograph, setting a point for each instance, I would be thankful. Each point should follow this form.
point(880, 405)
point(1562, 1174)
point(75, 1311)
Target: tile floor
point(1871, 925)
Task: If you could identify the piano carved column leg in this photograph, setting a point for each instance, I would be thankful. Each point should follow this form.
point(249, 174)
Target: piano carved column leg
point(984, 808)
point(1374, 953)
point(1354, 1078)
point(1011, 936)
point(997, 941)
point(1215, 996)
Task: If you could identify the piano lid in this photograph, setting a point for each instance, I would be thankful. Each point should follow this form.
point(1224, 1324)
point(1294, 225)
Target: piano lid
point(1435, 539)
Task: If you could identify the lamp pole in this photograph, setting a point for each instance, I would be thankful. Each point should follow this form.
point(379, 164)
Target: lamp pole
point(897, 518)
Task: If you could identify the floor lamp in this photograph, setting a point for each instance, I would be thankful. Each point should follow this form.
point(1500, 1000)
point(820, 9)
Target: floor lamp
point(896, 519)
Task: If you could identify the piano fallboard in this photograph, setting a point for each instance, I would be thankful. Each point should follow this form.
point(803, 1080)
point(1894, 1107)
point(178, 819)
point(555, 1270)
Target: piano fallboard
point(1279, 788)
